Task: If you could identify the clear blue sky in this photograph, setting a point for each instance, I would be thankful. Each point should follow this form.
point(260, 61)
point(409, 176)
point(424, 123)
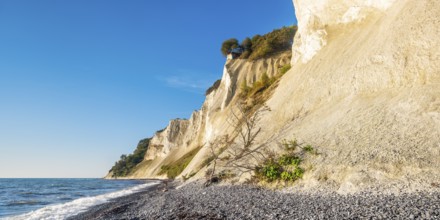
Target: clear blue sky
point(82, 81)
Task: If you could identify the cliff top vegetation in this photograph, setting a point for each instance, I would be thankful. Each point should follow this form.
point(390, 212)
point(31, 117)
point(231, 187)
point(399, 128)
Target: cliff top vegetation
point(262, 46)
point(126, 164)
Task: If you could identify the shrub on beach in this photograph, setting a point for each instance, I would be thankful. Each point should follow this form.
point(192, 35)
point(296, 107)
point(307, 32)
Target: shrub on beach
point(285, 167)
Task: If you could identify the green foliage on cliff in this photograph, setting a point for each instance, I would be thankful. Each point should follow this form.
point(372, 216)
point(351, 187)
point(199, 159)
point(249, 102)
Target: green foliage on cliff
point(247, 43)
point(257, 47)
point(125, 165)
point(175, 168)
point(278, 40)
point(256, 90)
point(213, 87)
point(285, 167)
point(285, 68)
point(229, 45)
point(259, 91)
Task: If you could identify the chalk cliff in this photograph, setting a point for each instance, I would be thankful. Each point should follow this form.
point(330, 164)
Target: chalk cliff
point(209, 123)
point(364, 89)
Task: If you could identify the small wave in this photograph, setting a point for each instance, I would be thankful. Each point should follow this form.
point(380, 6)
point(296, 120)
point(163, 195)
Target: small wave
point(62, 211)
point(58, 185)
point(92, 187)
point(48, 193)
point(39, 193)
point(66, 189)
point(24, 202)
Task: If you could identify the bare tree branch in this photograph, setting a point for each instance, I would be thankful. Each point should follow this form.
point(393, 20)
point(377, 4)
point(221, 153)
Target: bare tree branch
point(242, 156)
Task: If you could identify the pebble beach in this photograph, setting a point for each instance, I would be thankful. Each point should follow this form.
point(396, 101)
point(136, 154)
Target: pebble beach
point(194, 201)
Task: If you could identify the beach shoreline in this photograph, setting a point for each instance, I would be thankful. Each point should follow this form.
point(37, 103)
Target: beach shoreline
point(194, 201)
point(117, 206)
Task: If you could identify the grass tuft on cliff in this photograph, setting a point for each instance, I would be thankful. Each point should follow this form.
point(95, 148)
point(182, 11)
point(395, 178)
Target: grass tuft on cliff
point(176, 167)
point(126, 164)
point(258, 92)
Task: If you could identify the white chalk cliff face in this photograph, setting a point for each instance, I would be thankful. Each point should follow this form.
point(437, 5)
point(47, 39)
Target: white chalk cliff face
point(315, 15)
point(207, 124)
point(364, 90)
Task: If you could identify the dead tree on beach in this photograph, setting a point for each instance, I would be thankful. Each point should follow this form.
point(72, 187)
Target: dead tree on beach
point(242, 156)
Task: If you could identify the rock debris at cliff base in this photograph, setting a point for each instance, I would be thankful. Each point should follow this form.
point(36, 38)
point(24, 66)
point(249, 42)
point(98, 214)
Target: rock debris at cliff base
point(194, 201)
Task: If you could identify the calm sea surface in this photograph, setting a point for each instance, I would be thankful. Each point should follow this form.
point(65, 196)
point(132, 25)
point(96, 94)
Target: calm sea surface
point(59, 198)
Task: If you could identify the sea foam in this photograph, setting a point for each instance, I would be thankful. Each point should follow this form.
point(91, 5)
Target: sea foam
point(65, 210)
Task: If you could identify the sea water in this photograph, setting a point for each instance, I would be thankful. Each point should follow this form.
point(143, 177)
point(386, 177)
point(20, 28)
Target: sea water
point(59, 198)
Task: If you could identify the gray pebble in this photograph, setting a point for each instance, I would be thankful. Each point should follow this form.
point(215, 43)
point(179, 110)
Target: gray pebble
point(194, 201)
